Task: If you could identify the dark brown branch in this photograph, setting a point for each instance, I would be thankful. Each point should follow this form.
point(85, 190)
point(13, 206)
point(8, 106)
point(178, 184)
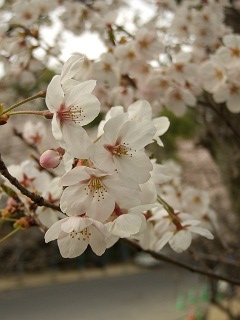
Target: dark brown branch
point(37, 199)
point(184, 265)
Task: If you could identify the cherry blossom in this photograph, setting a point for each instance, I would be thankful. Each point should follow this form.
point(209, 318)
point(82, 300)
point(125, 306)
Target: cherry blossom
point(180, 240)
point(94, 191)
point(121, 148)
point(75, 233)
point(72, 110)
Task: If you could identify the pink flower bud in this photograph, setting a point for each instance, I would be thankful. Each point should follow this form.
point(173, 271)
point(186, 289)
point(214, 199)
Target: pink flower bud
point(50, 159)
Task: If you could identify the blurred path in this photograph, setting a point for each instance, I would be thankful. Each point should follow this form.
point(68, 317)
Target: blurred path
point(144, 295)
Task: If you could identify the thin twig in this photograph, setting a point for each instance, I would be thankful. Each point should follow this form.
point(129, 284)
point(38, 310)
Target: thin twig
point(184, 265)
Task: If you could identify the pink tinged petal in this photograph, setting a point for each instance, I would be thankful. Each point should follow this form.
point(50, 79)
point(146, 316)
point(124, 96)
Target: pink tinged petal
point(101, 206)
point(177, 107)
point(189, 98)
point(97, 241)
point(54, 231)
point(136, 168)
point(82, 109)
point(71, 247)
point(114, 111)
point(86, 86)
point(125, 225)
point(137, 134)
point(233, 103)
point(74, 95)
point(101, 157)
point(68, 84)
point(75, 141)
point(75, 200)
point(71, 67)
point(76, 175)
point(111, 240)
point(54, 94)
point(140, 110)
point(189, 222)
point(181, 241)
point(161, 124)
point(201, 231)
point(113, 126)
point(163, 241)
point(126, 197)
point(221, 93)
point(57, 127)
point(76, 224)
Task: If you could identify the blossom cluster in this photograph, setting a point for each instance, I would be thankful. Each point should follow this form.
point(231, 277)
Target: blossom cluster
point(108, 188)
point(107, 183)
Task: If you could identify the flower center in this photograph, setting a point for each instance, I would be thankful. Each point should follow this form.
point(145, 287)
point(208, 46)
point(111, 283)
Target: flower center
point(72, 114)
point(96, 188)
point(119, 149)
point(82, 235)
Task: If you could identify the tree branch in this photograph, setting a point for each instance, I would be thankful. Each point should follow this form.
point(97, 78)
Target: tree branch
point(184, 265)
point(37, 199)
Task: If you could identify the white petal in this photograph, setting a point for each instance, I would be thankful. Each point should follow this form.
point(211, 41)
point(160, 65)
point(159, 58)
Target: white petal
point(54, 231)
point(140, 110)
point(161, 124)
point(75, 141)
point(54, 94)
point(202, 231)
point(97, 241)
point(181, 241)
point(75, 200)
point(101, 207)
point(74, 176)
point(233, 103)
point(137, 134)
point(87, 106)
point(113, 126)
point(125, 225)
point(56, 128)
point(71, 247)
point(76, 224)
point(71, 67)
point(74, 95)
point(164, 240)
point(136, 168)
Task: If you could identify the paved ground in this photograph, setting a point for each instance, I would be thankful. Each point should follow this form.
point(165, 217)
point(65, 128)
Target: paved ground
point(136, 294)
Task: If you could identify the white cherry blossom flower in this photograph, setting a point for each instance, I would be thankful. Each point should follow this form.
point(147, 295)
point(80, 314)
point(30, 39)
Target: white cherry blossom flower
point(213, 74)
point(178, 98)
point(105, 70)
point(142, 110)
point(74, 109)
point(229, 92)
point(179, 238)
point(182, 69)
point(94, 191)
point(128, 222)
point(148, 44)
point(230, 52)
point(34, 133)
point(75, 233)
point(121, 148)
